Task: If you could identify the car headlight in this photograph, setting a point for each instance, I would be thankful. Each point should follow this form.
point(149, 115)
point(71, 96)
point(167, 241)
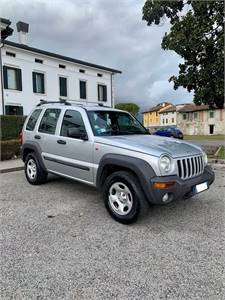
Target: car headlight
point(165, 163)
point(205, 158)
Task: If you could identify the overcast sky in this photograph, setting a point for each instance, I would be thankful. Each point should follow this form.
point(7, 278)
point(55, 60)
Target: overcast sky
point(106, 32)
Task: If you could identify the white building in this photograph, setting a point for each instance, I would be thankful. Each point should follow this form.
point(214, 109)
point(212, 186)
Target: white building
point(168, 116)
point(29, 74)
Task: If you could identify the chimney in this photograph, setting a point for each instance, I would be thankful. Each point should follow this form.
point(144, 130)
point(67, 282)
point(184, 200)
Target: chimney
point(22, 28)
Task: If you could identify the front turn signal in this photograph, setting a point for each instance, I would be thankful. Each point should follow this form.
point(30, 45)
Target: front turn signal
point(163, 185)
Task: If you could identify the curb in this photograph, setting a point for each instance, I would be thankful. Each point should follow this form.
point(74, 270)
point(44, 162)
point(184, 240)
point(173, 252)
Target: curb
point(8, 170)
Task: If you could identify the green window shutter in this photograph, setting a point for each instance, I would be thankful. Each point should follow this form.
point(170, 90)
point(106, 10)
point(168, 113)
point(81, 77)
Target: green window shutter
point(34, 82)
point(99, 93)
point(63, 86)
point(43, 83)
point(104, 93)
point(19, 79)
point(5, 77)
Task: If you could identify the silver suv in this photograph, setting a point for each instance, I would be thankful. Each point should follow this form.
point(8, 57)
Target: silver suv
point(109, 149)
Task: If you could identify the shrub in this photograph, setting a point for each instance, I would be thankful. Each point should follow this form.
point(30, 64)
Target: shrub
point(10, 126)
point(9, 149)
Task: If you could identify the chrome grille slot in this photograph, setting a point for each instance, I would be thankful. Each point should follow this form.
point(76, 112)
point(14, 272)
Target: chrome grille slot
point(190, 167)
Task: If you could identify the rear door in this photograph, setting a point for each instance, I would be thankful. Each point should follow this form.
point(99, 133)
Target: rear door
point(68, 156)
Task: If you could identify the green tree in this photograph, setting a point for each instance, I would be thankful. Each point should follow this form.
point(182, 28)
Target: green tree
point(197, 35)
point(130, 107)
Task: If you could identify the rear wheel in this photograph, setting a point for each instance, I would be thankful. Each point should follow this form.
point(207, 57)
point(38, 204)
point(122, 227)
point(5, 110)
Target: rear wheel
point(123, 197)
point(35, 174)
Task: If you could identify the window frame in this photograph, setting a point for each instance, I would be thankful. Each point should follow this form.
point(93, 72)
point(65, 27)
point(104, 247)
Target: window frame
point(17, 107)
point(35, 72)
point(213, 115)
point(61, 124)
point(86, 94)
point(98, 91)
point(64, 77)
point(18, 78)
point(57, 122)
point(36, 109)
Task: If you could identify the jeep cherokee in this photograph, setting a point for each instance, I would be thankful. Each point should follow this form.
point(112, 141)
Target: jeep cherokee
point(109, 149)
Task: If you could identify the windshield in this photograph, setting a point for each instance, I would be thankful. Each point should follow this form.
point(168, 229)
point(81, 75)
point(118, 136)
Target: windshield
point(114, 123)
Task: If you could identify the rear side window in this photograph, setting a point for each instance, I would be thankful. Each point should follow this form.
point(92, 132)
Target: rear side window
point(33, 119)
point(72, 119)
point(49, 120)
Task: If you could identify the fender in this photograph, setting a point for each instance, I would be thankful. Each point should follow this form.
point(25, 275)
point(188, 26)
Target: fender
point(141, 168)
point(35, 147)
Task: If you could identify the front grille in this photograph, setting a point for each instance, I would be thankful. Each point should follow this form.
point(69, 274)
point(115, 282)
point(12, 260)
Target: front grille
point(190, 167)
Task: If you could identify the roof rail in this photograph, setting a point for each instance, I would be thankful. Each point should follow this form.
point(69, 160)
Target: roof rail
point(61, 101)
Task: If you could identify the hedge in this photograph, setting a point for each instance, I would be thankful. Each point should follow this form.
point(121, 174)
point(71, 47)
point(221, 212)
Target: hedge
point(9, 149)
point(10, 127)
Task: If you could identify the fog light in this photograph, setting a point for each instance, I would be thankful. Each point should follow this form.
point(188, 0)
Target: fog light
point(165, 197)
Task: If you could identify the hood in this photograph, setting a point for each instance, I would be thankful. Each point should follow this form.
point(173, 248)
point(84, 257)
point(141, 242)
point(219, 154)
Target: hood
point(151, 144)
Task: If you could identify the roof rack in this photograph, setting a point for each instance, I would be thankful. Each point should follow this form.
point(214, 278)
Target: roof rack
point(61, 101)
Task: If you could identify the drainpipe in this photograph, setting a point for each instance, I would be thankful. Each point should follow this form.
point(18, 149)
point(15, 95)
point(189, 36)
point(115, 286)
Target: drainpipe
point(2, 86)
point(112, 95)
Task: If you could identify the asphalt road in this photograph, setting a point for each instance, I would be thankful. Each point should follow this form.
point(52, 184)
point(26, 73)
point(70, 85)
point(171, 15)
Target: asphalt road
point(58, 242)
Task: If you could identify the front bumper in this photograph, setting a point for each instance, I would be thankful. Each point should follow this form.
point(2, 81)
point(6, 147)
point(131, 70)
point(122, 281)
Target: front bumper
point(182, 189)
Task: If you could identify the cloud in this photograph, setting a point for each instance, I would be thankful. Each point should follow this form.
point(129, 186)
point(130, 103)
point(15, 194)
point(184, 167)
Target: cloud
point(110, 33)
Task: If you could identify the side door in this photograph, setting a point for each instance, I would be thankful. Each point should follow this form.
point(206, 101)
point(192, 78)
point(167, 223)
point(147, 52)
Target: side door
point(46, 134)
point(71, 156)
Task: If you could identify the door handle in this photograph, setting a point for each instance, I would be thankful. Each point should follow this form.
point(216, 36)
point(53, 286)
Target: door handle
point(37, 137)
point(61, 142)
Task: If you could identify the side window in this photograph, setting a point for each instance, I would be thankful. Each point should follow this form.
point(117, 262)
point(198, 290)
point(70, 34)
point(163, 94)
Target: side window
point(71, 119)
point(33, 119)
point(49, 120)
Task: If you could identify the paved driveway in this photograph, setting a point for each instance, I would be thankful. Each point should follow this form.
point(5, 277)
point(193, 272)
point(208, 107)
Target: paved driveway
point(58, 242)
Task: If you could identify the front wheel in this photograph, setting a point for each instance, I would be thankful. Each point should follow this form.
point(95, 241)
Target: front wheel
point(123, 197)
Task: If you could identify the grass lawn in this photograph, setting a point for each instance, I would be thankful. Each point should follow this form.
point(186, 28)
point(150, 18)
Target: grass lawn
point(215, 137)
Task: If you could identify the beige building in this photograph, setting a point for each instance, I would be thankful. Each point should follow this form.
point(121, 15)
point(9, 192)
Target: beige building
point(151, 117)
point(200, 120)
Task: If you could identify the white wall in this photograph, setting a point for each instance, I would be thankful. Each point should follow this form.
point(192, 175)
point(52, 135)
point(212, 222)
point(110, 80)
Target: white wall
point(25, 61)
point(171, 118)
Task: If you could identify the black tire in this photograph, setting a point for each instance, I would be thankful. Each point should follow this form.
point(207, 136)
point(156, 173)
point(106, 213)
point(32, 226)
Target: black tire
point(139, 204)
point(40, 176)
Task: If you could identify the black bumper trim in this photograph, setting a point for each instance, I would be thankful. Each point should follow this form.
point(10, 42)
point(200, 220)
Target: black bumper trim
point(183, 189)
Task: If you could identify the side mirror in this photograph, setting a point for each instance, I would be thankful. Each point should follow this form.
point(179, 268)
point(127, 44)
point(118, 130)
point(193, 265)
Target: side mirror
point(77, 133)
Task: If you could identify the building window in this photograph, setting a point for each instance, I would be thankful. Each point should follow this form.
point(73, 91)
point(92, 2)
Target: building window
point(38, 83)
point(184, 117)
point(99, 75)
point(166, 121)
point(62, 66)
point(83, 89)
point(156, 114)
point(14, 110)
point(10, 54)
point(39, 61)
point(63, 86)
point(211, 114)
point(49, 121)
point(33, 119)
point(195, 115)
point(163, 121)
point(82, 71)
point(102, 93)
point(172, 120)
point(12, 78)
